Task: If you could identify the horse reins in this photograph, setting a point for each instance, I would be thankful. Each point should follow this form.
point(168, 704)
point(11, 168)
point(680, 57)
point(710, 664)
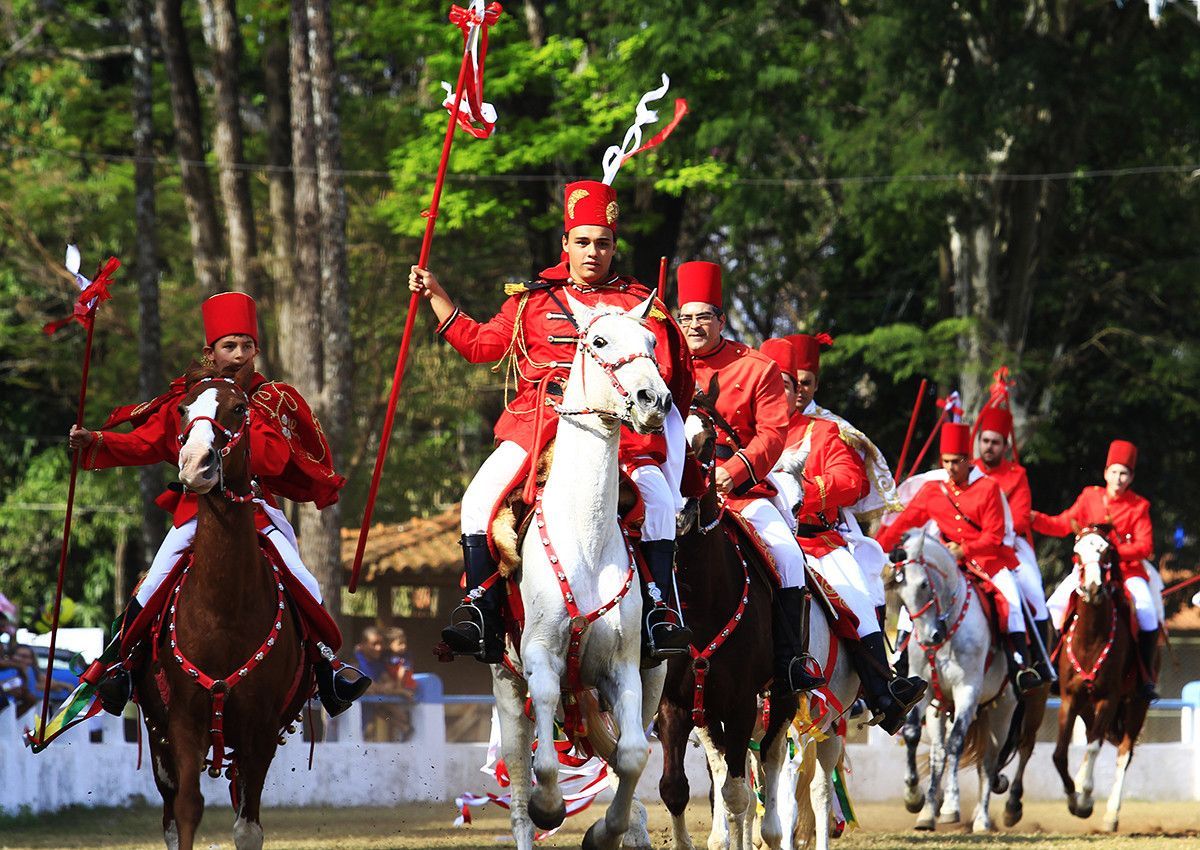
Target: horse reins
point(931, 649)
point(1089, 676)
point(610, 368)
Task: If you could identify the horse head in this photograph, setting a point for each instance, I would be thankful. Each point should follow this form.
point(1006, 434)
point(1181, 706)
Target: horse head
point(1094, 556)
point(615, 374)
point(924, 581)
point(214, 420)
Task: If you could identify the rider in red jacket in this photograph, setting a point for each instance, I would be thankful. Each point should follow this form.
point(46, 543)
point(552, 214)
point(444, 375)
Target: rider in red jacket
point(288, 456)
point(535, 335)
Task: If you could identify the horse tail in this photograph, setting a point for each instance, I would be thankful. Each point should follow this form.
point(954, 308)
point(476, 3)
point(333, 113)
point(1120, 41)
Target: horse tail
point(1016, 734)
point(975, 744)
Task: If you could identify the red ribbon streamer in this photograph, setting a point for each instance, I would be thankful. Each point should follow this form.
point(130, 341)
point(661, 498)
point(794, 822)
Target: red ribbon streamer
point(681, 109)
point(92, 296)
point(465, 20)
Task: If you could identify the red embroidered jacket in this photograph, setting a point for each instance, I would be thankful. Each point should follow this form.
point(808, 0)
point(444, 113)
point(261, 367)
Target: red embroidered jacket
point(1130, 518)
point(834, 478)
point(1014, 482)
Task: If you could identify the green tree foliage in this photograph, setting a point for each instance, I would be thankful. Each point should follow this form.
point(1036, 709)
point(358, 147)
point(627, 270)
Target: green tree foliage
point(835, 156)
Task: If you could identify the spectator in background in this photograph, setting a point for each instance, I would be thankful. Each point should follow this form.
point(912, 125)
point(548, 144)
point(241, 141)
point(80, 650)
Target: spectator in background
point(20, 681)
point(400, 669)
point(369, 656)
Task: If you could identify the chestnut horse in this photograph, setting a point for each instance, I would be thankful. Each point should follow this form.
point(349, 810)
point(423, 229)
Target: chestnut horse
point(728, 604)
point(227, 663)
point(1098, 674)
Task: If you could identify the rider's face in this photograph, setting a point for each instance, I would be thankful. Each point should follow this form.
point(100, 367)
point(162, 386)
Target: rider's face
point(702, 325)
point(1118, 477)
point(991, 447)
point(232, 352)
point(590, 251)
point(806, 388)
point(958, 467)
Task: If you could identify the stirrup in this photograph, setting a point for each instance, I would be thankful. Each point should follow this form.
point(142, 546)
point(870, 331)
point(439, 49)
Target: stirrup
point(465, 634)
point(665, 638)
point(115, 690)
point(1027, 679)
point(907, 691)
point(803, 680)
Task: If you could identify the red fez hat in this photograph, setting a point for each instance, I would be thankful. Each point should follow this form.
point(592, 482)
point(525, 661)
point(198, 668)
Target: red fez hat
point(229, 313)
point(700, 281)
point(1122, 452)
point(782, 352)
point(955, 439)
point(808, 349)
point(995, 419)
point(590, 203)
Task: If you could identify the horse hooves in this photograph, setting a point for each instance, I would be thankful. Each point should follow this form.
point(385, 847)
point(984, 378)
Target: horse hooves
point(999, 783)
point(949, 817)
point(925, 824)
point(589, 838)
point(1080, 811)
point(1012, 815)
point(914, 801)
point(547, 819)
point(1111, 824)
point(981, 828)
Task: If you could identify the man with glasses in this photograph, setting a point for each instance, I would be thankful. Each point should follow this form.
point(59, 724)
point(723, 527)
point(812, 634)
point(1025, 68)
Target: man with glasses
point(750, 439)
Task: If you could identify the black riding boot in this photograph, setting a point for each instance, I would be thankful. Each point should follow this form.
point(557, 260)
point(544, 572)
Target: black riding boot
point(881, 615)
point(901, 665)
point(790, 629)
point(662, 635)
point(888, 699)
point(478, 628)
point(1025, 676)
point(1148, 648)
point(116, 688)
point(335, 691)
point(1041, 663)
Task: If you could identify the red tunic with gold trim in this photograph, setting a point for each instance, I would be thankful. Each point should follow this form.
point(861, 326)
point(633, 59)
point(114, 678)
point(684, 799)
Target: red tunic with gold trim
point(536, 336)
point(753, 402)
point(971, 516)
point(834, 478)
point(1129, 515)
point(1014, 482)
point(288, 449)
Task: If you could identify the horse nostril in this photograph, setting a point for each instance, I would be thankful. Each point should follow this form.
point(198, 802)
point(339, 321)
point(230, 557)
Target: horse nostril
point(647, 398)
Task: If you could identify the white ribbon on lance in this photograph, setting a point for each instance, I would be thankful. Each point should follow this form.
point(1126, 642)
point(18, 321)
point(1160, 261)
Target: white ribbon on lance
point(73, 263)
point(475, 115)
point(618, 155)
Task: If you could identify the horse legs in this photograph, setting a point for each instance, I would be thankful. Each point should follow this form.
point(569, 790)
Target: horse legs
point(623, 689)
point(637, 837)
point(735, 791)
point(1100, 721)
point(718, 773)
point(828, 753)
point(998, 718)
point(674, 724)
point(1066, 726)
point(188, 754)
point(1035, 710)
point(253, 762)
point(514, 747)
point(913, 798)
point(1135, 717)
point(964, 715)
point(773, 754)
point(166, 778)
point(935, 722)
point(544, 673)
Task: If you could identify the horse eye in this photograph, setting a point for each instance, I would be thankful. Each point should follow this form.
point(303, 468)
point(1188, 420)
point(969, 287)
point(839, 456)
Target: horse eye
point(599, 342)
point(240, 410)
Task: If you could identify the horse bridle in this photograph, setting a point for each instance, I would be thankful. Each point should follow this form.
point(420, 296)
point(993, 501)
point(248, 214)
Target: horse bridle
point(707, 467)
point(232, 438)
point(610, 368)
point(934, 602)
point(1106, 563)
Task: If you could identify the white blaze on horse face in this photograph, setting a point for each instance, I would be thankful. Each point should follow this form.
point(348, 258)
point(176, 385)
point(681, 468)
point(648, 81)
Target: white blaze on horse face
point(693, 430)
point(1089, 550)
point(194, 455)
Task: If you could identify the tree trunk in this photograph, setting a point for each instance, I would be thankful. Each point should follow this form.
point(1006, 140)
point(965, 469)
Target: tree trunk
point(225, 43)
point(207, 257)
point(150, 376)
point(323, 529)
point(279, 155)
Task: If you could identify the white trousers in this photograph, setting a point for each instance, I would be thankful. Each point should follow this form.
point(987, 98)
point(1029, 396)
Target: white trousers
point(1139, 590)
point(279, 532)
point(1029, 579)
point(1007, 586)
point(777, 534)
point(869, 555)
point(841, 570)
point(487, 487)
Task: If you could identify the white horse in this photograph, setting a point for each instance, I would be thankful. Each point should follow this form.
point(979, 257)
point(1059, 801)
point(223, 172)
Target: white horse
point(968, 683)
point(576, 538)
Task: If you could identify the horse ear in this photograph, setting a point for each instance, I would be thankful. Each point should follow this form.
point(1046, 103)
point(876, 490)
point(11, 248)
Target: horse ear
point(581, 311)
point(714, 389)
point(245, 377)
point(196, 372)
point(1075, 527)
point(642, 311)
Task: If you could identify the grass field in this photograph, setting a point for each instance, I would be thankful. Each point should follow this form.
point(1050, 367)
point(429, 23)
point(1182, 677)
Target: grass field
point(1145, 826)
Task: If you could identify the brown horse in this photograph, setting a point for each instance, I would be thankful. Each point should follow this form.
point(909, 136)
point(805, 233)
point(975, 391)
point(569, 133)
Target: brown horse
point(728, 601)
point(1098, 674)
point(227, 666)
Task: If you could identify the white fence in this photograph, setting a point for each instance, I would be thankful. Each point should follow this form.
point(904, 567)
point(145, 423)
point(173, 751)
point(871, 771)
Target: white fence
point(350, 771)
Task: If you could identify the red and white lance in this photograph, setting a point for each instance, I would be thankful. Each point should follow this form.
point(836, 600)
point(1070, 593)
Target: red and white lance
point(92, 293)
point(470, 111)
point(952, 411)
point(999, 397)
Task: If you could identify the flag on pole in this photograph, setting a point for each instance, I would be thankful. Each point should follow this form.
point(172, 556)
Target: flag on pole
point(475, 115)
point(91, 292)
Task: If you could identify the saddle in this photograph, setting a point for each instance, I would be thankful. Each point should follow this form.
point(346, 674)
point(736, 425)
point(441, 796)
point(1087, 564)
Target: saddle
point(313, 618)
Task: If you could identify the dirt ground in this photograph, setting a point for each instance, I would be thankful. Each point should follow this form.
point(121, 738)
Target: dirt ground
point(1047, 826)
